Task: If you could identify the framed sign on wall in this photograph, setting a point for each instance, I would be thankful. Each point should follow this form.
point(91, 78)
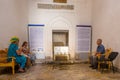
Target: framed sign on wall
point(36, 37)
point(83, 41)
point(60, 1)
point(36, 40)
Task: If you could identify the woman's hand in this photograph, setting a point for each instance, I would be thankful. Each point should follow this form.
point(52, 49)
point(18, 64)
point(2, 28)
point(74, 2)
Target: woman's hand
point(19, 51)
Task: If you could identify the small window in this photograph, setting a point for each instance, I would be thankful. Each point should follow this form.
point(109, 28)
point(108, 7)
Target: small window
point(60, 1)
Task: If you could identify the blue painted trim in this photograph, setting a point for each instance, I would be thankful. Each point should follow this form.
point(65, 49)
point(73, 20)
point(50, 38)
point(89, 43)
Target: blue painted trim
point(36, 25)
point(83, 25)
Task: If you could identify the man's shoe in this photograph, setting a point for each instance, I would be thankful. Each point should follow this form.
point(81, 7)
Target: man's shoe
point(91, 66)
point(94, 67)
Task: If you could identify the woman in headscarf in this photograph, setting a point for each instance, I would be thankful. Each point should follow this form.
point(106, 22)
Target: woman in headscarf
point(14, 51)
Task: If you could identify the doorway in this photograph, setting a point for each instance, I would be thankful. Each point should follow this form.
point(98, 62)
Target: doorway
point(60, 38)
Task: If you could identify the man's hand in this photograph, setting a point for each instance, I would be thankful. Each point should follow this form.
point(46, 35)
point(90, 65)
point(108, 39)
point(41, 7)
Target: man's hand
point(98, 54)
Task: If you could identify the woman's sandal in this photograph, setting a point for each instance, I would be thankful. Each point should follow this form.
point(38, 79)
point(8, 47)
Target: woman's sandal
point(21, 71)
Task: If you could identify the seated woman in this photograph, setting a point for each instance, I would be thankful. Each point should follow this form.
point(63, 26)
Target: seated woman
point(14, 51)
point(26, 52)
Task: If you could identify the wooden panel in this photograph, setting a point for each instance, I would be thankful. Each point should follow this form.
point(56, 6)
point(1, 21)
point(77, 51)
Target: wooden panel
point(58, 44)
point(60, 1)
point(61, 58)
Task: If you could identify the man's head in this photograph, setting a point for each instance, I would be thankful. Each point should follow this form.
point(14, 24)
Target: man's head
point(99, 42)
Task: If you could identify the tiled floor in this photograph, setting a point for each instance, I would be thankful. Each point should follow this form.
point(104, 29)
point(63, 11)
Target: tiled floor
point(62, 72)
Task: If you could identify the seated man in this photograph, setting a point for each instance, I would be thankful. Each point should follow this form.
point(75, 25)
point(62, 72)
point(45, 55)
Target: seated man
point(100, 50)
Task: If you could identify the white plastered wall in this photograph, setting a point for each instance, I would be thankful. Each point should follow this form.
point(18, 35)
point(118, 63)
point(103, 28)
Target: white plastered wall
point(106, 24)
point(13, 21)
point(60, 20)
point(105, 21)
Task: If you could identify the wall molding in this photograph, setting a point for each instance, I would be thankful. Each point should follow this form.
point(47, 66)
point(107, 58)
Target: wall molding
point(55, 6)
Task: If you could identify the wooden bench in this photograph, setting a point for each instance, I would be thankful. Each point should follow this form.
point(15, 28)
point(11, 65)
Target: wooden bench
point(4, 62)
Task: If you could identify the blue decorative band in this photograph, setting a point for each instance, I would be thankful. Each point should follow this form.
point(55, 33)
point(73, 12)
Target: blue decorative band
point(36, 25)
point(83, 26)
